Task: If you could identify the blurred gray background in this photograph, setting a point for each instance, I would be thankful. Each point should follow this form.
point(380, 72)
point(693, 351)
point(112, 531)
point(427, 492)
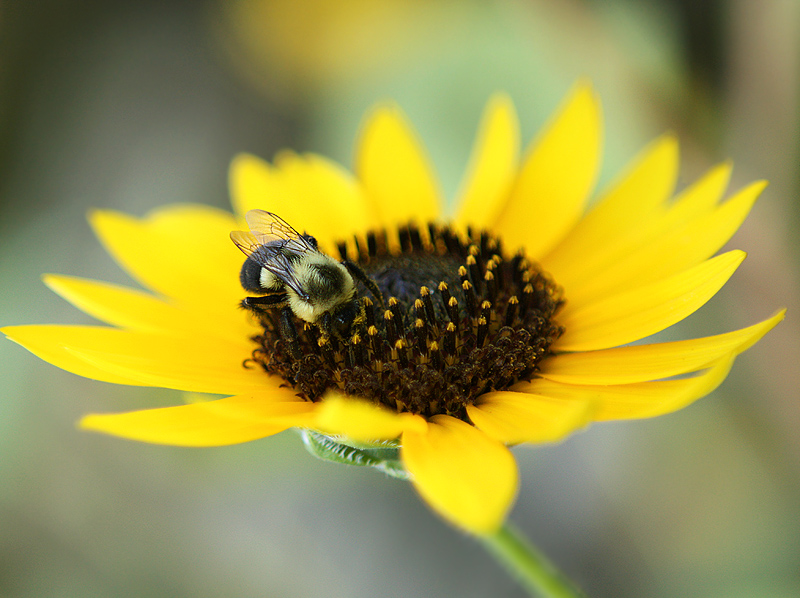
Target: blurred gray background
point(132, 105)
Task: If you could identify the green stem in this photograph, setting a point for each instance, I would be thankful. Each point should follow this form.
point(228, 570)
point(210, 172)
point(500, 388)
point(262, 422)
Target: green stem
point(529, 566)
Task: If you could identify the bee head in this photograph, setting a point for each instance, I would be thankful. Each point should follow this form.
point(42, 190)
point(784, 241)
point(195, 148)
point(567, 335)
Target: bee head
point(343, 318)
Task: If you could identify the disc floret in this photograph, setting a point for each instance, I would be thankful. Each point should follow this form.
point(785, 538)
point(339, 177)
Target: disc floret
point(459, 318)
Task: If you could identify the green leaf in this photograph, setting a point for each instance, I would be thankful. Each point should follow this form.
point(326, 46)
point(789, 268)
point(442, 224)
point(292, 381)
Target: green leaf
point(384, 456)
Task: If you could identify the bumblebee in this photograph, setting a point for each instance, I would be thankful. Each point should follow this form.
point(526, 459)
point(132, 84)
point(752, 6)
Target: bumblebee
point(287, 271)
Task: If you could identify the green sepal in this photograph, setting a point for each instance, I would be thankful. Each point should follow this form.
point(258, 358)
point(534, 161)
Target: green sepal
point(384, 455)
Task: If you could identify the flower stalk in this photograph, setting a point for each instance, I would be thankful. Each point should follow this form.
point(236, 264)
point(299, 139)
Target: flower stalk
point(528, 565)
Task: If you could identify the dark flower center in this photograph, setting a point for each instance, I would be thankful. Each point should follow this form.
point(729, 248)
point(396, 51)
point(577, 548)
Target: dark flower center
point(460, 318)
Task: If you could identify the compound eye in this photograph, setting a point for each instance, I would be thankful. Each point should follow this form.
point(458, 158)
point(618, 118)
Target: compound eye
point(341, 325)
point(342, 320)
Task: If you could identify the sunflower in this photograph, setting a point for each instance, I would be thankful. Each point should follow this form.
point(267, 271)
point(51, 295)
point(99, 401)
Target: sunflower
point(511, 320)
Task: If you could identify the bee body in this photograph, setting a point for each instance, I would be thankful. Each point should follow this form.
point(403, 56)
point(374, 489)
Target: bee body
point(286, 270)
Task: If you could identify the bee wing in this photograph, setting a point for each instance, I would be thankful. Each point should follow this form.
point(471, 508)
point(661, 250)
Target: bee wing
point(271, 228)
point(248, 243)
point(284, 269)
point(270, 237)
point(270, 253)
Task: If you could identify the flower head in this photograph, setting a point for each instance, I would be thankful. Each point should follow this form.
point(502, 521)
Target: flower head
point(507, 321)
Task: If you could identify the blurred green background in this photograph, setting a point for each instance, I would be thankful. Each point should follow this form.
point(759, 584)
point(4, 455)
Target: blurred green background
point(132, 105)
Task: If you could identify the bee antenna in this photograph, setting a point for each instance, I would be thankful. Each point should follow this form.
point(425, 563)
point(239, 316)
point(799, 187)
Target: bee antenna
point(362, 277)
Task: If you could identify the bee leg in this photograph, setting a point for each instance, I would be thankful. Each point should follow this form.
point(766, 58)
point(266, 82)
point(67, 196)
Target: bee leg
point(289, 334)
point(330, 331)
point(326, 324)
point(358, 273)
point(263, 302)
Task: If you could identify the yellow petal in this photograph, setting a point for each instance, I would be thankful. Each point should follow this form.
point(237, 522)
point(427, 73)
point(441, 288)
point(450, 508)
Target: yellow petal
point(50, 343)
point(575, 263)
point(671, 251)
point(556, 178)
point(115, 304)
point(468, 478)
point(192, 363)
point(647, 183)
point(394, 170)
point(137, 310)
point(702, 196)
point(311, 193)
point(630, 401)
point(633, 315)
point(492, 166)
point(340, 206)
point(640, 363)
point(212, 423)
point(182, 252)
point(515, 417)
point(253, 184)
point(362, 420)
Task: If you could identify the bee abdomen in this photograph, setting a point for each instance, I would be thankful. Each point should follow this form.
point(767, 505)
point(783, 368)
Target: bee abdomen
point(250, 276)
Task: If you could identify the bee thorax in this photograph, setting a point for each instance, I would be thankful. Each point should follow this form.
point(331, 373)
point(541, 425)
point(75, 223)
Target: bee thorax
point(327, 285)
point(268, 280)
